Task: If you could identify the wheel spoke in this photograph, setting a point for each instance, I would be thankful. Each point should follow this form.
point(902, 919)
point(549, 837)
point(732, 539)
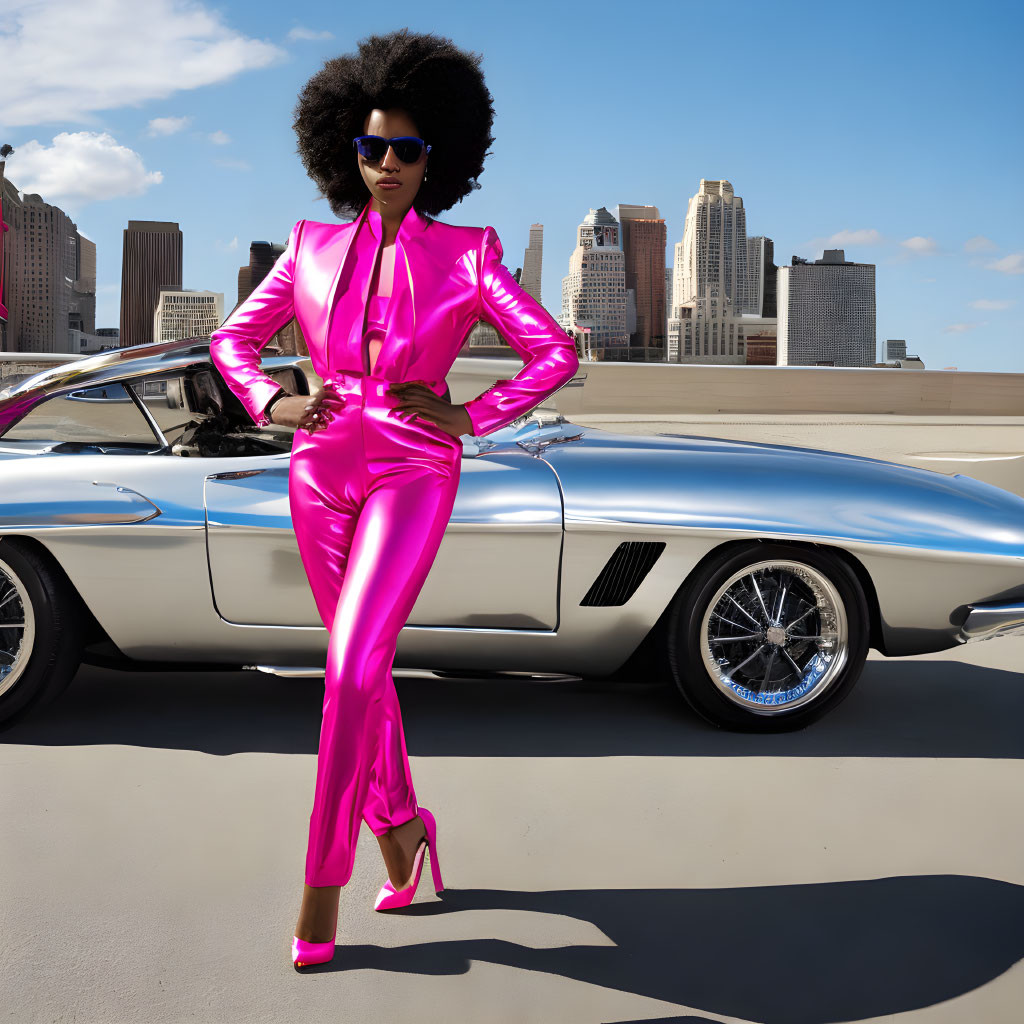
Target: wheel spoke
point(766, 680)
point(751, 658)
point(796, 668)
point(757, 590)
point(804, 616)
point(730, 639)
point(719, 615)
point(744, 610)
point(781, 601)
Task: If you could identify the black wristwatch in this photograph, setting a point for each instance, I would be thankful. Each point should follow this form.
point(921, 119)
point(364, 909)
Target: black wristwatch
point(275, 398)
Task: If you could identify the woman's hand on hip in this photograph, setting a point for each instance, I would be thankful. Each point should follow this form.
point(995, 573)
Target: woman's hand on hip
point(311, 412)
point(417, 399)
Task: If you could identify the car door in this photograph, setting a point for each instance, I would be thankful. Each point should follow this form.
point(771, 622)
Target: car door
point(497, 566)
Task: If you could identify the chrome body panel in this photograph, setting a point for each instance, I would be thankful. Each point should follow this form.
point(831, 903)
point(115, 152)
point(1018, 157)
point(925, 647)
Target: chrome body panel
point(990, 620)
point(507, 524)
point(931, 543)
point(193, 559)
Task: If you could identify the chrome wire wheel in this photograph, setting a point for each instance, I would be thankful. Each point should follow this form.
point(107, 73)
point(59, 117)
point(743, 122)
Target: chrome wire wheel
point(774, 636)
point(17, 628)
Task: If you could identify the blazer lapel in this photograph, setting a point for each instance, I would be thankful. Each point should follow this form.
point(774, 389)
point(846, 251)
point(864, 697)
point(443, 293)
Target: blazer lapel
point(401, 319)
point(400, 322)
point(338, 253)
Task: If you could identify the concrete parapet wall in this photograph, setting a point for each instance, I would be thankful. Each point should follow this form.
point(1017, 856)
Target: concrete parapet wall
point(943, 420)
point(680, 388)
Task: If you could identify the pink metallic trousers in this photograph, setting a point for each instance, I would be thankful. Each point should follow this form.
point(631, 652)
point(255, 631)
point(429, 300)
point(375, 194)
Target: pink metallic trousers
point(370, 494)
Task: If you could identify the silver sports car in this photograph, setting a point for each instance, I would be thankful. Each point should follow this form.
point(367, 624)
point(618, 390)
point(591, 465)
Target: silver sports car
point(144, 521)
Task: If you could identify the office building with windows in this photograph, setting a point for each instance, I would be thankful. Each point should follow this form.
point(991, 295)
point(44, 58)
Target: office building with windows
point(715, 299)
point(533, 261)
point(150, 262)
point(643, 244)
point(826, 312)
point(594, 300)
point(187, 314)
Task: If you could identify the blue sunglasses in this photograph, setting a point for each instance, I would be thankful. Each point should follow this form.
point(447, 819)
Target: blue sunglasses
point(374, 147)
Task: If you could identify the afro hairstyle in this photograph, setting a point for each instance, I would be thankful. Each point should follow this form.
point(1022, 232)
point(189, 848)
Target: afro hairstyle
point(441, 88)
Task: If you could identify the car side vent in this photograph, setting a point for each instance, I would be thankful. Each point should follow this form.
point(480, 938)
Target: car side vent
point(630, 562)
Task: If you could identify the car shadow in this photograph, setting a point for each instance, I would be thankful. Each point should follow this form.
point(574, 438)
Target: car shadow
point(897, 709)
point(792, 954)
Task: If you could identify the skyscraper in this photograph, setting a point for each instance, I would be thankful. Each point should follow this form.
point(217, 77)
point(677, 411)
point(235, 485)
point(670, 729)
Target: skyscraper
point(262, 257)
point(594, 290)
point(151, 261)
point(761, 270)
point(827, 312)
point(643, 244)
point(711, 260)
point(4, 228)
point(82, 306)
point(711, 282)
point(48, 290)
point(532, 262)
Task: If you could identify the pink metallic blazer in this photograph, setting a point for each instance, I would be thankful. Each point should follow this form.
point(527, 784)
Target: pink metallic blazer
point(446, 278)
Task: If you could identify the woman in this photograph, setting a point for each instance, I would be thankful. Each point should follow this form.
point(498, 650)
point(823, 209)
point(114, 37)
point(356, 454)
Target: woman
point(385, 303)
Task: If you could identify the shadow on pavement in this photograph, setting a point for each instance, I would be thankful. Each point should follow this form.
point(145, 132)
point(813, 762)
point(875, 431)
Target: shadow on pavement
point(792, 954)
point(898, 709)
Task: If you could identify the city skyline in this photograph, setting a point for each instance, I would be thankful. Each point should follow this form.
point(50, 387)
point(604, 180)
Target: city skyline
point(925, 190)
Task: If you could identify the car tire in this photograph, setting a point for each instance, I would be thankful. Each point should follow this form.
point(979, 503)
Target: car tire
point(768, 679)
point(41, 632)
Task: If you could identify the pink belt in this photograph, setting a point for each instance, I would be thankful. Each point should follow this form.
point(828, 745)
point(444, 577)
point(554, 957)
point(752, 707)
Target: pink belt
point(353, 380)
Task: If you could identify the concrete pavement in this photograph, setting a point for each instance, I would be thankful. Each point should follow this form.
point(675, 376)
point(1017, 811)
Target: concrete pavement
point(608, 857)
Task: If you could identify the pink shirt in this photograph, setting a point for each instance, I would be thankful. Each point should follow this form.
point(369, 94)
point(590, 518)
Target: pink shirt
point(377, 306)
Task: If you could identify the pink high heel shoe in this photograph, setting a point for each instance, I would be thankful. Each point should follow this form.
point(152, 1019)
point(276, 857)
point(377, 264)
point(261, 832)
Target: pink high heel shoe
point(306, 954)
point(389, 897)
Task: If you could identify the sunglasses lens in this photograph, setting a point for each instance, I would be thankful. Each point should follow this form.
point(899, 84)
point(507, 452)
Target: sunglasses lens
point(372, 147)
point(407, 150)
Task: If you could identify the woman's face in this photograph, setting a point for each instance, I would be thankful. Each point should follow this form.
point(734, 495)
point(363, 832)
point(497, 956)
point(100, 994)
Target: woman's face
point(389, 124)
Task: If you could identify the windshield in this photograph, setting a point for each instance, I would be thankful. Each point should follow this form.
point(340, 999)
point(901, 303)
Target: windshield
point(180, 413)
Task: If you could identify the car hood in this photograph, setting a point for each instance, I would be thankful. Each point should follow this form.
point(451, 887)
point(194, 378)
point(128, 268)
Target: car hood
point(775, 490)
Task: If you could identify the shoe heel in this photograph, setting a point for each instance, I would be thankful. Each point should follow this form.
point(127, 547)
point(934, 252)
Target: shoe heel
point(435, 865)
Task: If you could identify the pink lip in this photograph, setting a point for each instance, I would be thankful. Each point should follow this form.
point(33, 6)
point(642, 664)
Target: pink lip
point(388, 184)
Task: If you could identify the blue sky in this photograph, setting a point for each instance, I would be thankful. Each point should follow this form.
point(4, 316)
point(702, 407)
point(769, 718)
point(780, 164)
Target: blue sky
point(892, 130)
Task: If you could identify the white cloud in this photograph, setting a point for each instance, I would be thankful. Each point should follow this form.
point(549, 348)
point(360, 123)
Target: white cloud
point(219, 138)
point(299, 32)
point(960, 328)
point(81, 167)
point(862, 236)
point(842, 239)
point(920, 246)
point(232, 245)
point(64, 59)
point(979, 243)
point(168, 125)
point(1012, 264)
point(993, 303)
